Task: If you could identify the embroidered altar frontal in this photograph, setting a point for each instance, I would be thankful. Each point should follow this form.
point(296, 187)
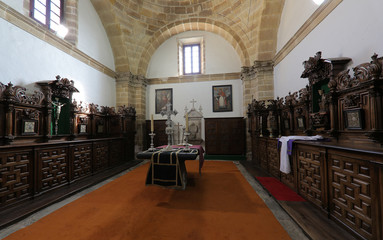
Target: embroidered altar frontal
point(167, 168)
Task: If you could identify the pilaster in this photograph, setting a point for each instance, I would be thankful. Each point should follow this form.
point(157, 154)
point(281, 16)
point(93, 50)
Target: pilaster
point(131, 91)
point(258, 83)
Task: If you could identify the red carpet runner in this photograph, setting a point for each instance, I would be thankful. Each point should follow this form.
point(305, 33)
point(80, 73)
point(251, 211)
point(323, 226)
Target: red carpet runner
point(279, 190)
point(219, 204)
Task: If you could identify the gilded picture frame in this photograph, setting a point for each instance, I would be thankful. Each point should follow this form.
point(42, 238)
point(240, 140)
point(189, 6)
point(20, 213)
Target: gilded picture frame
point(353, 119)
point(29, 127)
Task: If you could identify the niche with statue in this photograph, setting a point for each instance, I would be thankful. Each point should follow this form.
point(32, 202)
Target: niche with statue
point(60, 93)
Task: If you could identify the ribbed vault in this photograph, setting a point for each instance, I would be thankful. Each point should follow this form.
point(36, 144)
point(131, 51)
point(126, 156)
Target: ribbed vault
point(136, 28)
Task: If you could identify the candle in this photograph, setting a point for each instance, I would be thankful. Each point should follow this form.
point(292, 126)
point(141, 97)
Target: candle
point(187, 122)
point(151, 124)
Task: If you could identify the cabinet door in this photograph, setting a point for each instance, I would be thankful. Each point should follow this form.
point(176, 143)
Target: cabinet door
point(225, 136)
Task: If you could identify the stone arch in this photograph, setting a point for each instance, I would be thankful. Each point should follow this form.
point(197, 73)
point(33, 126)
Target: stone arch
point(192, 24)
point(114, 32)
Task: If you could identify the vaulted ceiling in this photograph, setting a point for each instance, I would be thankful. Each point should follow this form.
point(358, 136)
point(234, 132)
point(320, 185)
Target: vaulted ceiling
point(136, 28)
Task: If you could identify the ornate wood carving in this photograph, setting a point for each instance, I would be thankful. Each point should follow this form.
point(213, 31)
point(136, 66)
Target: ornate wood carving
point(351, 193)
point(310, 175)
point(62, 87)
point(101, 156)
point(54, 168)
point(82, 161)
point(273, 158)
point(80, 107)
point(15, 176)
point(316, 69)
point(17, 94)
point(352, 101)
point(263, 154)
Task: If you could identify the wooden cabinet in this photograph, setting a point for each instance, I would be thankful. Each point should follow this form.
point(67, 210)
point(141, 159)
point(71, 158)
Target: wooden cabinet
point(31, 170)
point(345, 183)
point(225, 136)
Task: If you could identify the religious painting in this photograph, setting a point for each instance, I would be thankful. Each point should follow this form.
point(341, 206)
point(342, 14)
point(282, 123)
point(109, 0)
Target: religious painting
point(286, 123)
point(301, 123)
point(353, 119)
point(100, 128)
point(82, 128)
point(29, 127)
point(163, 96)
point(222, 98)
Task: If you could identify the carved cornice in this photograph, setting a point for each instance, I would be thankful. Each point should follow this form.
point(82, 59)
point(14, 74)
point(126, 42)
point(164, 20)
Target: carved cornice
point(257, 68)
point(364, 72)
point(17, 94)
point(133, 80)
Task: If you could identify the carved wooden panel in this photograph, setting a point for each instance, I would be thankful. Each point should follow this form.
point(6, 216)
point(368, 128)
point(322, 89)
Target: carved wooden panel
point(53, 168)
point(15, 176)
point(115, 152)
point(351, 193)
point(100, 156)
point(82, 161)
point(310, 175)
point(263, 153)
point(289, 179)
point(273, 158)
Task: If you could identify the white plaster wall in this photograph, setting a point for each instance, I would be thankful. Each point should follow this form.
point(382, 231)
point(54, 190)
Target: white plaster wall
point(92, 38)
point(294, 15)
point(183, 93)
point(220, 56)
point(352, 30)
point(15, 4)
point(25, 59)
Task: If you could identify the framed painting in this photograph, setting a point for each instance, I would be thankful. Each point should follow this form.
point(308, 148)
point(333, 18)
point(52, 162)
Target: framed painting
point(286, 123)
point(82, 128)
point(163, 96)
point(222, 98)
point(353, 119)
point(100, 128)
point(301, 123)
point(29, 127)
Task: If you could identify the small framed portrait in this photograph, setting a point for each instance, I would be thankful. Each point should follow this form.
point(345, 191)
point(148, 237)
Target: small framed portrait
point(353, 119)
point(163, 96)
point(29, 127)
point(222, 98)
point(82, 128)
point(286, 123)
point(301, 123)
point(100, 128)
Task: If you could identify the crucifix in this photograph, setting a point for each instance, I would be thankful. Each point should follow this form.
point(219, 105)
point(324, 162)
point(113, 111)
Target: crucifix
point(169, 124)
point(193, 101)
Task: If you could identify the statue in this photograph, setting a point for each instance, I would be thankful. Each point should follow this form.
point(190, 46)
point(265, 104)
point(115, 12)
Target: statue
point(58, 107)
point(322, 101)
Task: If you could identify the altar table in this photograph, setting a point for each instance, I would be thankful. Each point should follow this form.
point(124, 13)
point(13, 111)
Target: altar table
point(167, 168)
